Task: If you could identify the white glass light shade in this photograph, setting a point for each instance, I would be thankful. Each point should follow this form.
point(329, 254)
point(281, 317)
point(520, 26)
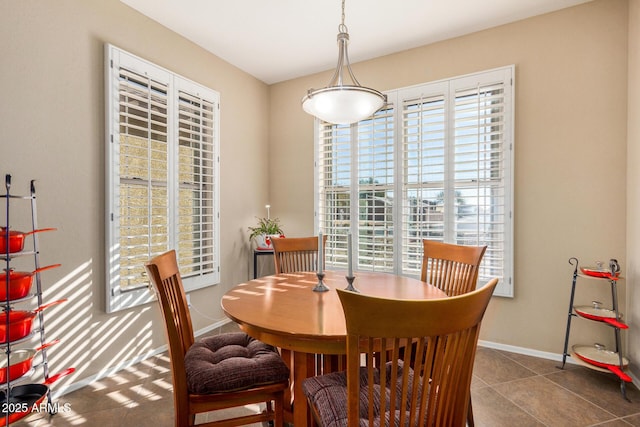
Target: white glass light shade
point(343, 104)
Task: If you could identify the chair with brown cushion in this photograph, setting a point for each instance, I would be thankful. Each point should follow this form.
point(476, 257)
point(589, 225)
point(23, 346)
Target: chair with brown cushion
point(446, 331)
point(452, 268)
point(217, 372)
point(292, 254)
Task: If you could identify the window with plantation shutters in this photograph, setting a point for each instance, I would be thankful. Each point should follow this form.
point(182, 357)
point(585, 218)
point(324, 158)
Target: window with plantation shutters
point(197, 181)
point(335, 199)
point(356, 176)
point(436, 164)
point(162, 177)
point(375, 159)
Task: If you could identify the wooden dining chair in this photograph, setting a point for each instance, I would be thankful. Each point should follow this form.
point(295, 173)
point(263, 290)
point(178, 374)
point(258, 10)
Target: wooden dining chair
point(292, 254)
point(452, 268)
point(217, 372)
point(391, 392)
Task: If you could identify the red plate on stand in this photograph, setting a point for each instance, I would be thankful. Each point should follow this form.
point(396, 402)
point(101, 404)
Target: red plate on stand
point(598, 272)
point(597, 355)
point(596, 312)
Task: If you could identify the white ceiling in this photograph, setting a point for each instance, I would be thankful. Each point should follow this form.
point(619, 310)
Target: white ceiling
point(277, 40)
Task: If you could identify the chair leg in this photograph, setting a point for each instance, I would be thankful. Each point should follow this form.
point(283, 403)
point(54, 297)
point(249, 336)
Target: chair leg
point(279, 409)
point(470, 422)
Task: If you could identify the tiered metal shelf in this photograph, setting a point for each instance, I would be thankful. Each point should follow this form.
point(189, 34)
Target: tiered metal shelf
point(19, 397)
point(596, 356)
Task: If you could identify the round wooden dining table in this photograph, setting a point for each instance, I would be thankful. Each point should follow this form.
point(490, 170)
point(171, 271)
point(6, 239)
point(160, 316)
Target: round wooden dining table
point(284, 311)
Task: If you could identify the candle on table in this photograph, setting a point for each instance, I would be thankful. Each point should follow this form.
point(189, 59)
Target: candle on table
point(349, 254)
point(320, 253)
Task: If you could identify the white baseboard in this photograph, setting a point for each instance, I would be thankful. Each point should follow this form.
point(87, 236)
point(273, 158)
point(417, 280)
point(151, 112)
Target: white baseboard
point(523, 350)
point(106, 372)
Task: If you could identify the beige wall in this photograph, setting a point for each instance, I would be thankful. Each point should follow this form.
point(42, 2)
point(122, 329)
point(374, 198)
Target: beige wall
point(571, 130)
point(52, 130)
point(570, 154)
point(633, 189)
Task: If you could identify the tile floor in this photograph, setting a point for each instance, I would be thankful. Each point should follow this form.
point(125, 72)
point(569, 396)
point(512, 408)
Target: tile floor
point(508, 390)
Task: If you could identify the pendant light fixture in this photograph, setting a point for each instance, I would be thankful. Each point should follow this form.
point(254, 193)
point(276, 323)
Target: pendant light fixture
point(341, 103)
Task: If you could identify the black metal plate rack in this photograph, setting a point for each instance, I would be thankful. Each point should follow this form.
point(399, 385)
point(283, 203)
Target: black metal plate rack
point(618, 363)
point(30, 249)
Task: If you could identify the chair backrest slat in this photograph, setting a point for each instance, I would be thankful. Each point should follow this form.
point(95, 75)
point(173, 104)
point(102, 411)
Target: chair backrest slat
point(445, 333)
point(452, 268)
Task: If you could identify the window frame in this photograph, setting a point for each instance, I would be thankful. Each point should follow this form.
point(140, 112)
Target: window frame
point(336, 250)
point(207, 146)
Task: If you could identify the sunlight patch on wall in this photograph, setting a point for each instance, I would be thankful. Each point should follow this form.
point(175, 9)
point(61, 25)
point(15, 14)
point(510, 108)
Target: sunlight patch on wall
point(87, 336)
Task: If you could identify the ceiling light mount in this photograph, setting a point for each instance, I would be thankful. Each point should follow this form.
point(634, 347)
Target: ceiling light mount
point(342, 103)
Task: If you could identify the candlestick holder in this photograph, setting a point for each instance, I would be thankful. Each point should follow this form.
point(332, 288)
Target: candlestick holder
point(350, 286)
point(320, 286)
